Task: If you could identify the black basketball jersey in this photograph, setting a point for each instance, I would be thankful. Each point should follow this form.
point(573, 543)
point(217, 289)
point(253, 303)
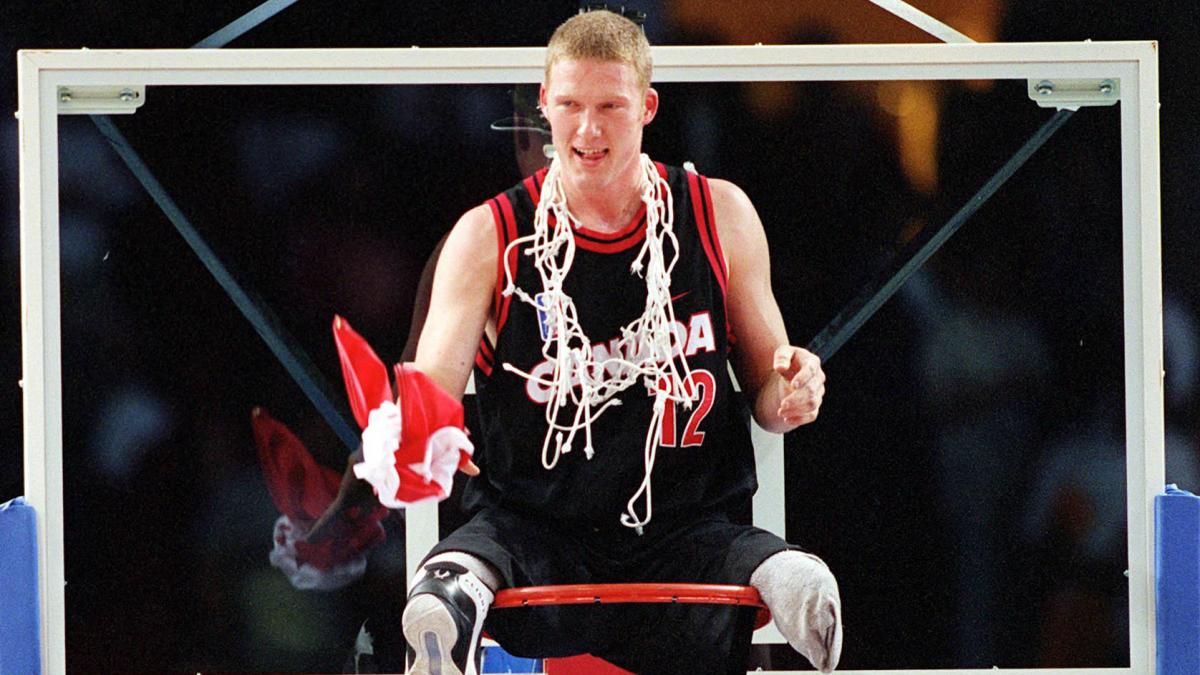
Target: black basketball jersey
point(705, 461)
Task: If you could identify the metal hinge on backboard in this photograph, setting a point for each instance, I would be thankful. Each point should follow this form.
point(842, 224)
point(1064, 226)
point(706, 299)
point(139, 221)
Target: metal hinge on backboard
point(100, 100)
point(1056, 93)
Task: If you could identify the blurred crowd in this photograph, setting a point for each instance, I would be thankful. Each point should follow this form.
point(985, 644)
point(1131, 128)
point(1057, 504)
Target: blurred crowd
point(966, 481)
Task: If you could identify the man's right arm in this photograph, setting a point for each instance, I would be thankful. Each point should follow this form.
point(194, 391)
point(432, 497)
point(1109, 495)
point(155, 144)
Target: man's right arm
point(463, 288)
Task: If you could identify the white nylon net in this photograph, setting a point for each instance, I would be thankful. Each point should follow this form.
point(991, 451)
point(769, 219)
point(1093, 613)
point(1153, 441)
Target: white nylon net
point(581, 386)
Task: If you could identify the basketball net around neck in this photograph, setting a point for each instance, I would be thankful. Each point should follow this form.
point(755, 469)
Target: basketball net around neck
point(581, 386)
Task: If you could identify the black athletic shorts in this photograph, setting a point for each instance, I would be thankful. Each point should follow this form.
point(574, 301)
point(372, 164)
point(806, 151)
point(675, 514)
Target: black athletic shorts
point(643, 638)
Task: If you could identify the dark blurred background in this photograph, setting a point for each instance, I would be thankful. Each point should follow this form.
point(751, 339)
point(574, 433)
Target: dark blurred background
point(965, 481)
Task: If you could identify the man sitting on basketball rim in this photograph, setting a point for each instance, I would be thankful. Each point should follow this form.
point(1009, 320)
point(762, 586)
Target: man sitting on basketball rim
point(599, 303)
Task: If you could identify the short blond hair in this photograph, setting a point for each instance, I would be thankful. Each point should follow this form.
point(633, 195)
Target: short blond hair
point(604, 36)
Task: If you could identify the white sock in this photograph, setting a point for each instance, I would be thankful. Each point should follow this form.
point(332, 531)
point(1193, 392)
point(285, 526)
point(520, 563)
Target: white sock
point(803, 598)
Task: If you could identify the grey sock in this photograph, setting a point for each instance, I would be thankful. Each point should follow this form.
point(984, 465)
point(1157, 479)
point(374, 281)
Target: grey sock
point(803, 598)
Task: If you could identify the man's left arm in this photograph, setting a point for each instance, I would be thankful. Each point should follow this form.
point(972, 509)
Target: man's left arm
point(786, 383)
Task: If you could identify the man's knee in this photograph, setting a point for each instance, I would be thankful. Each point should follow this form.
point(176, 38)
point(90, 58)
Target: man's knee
point(444, 615)
point(802, 595)
point(471, 563)
point(462, 582)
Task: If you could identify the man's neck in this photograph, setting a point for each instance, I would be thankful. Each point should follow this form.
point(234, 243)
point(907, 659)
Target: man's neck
point(607, 210)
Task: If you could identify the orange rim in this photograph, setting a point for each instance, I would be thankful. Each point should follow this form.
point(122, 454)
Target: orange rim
point(598, 594)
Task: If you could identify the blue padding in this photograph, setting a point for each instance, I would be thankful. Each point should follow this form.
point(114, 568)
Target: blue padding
point(1177, 570)
point(496, 660)
point(19, 649)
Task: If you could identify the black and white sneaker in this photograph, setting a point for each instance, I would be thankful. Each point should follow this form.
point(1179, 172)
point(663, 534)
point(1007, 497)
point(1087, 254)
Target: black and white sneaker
point(443, 621)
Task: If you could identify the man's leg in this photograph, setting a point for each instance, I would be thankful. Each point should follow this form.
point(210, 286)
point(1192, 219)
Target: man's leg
point(690, 638)
point(803, 598)
point(444, 615)
point(453, 591)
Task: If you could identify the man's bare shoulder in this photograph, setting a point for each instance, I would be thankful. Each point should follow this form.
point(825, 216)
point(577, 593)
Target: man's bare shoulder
point(472, 242)
point(477, 223)
point(735, 214)
point(726, 191)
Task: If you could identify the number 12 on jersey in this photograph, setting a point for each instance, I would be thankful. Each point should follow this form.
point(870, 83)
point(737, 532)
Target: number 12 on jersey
point(692, 436)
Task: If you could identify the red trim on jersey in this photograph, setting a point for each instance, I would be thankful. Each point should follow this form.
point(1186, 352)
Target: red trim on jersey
point(498, 222)
point(501, 243)
point(539, 178)
point(507, 236)
point(483, 365)
point(531, 186)
point(722, 270)
point(698, 189)
point(706, 225)
point(613, 242)
point(485, 348)
point(639, 219)
point(485, 356)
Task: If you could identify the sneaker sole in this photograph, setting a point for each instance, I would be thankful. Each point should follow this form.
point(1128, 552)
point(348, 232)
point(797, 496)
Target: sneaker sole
point(431, 632)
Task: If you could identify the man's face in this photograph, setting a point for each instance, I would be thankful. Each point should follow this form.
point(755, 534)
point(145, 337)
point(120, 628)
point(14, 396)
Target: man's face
point(596, 111)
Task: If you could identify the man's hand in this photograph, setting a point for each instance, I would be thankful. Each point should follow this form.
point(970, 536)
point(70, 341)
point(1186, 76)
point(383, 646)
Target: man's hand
point(802, 386)
point(355, 493)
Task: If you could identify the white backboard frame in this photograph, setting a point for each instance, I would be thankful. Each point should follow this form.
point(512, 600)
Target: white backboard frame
point(1133, 64)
